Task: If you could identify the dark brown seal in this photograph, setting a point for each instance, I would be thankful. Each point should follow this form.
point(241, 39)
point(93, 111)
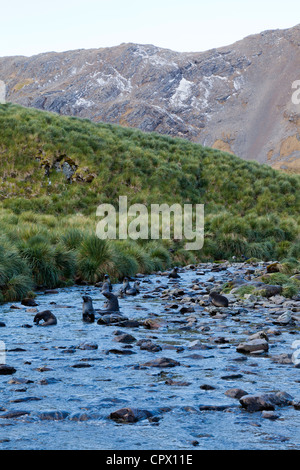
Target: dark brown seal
point(174, 274)
point(88, 312)
point(218, 300)
point(47, 316)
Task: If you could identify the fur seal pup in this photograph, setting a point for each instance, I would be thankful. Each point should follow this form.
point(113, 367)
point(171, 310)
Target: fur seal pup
point(47, 316)
point(107, 280)
point(218, 300)
point(112, 313)
point(174, 274)
point(112, 304)
point(134, 290)
point(88, 312)
point(126, 285)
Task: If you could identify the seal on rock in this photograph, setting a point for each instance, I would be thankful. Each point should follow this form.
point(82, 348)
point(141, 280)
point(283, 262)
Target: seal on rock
point(47, 316)
point(218, 300)
point(88, 312)
point(134, 290)
point(174, 274)
point(112, 302)
point(107, 281)
point(126, 285)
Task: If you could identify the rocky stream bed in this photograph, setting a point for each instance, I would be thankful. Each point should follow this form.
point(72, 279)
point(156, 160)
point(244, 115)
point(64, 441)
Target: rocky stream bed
point(181, 374)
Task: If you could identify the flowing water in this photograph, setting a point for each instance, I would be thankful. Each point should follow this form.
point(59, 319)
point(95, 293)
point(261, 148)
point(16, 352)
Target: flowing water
point(85, 396)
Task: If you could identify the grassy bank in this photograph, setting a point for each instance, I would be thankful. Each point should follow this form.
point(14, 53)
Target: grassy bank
point(55, 171)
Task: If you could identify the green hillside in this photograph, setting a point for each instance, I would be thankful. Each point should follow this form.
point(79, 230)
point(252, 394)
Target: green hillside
point(55, 171)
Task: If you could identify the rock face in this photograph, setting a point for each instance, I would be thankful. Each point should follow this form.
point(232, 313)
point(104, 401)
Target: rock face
point(239, 98)
point(2, 92)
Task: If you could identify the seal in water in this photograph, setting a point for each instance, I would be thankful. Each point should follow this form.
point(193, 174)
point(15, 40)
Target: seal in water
point(218, 300)
point(174, 274)
point(112, 313)
point(134, 290)
point(112, 304)
point(125, 287)
point(47, 316)
point(88, 312)
point(107, 280)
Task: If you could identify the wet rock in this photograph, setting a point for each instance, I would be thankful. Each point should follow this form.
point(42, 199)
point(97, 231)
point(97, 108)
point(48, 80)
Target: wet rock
point(14, 414)
point(207, 387)
point(215, 407)
point(269, 290)
point(218, 340)
point(148, 345)
point(284, 319)
point(86, 346)
point(25, 399)
point(43, 369)
point(253, 345)
point(2, 324)
point(187, 309)
point(122, 352)
point(6, 370)
point(177, 383)
point(125, 338)
point(81, 365)
point(78, 417)
point(269, 415)
point(235, 393)
point(112, 318)
point(48, 381)
point(296, 404)
point(129, 323)
point(283, 358)
point(190, 409)
point(198, 345)
point(53, 415)
point(18, 381)
point(29, 302)
point(70, 350)
point(129, 415)
point(232, 376)
point(162, 362)
point(259, 335)
point(277, 299)
point(266, 401)
point(257, 402)
point(150, 324)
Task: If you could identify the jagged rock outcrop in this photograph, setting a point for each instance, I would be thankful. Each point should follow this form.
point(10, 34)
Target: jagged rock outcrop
point(236, 98)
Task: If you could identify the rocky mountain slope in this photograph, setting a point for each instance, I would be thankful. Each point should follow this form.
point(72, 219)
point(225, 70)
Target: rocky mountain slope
point(236, 98)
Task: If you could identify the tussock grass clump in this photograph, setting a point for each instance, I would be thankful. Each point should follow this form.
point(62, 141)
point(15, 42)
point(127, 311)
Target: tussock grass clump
point(15, 278)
